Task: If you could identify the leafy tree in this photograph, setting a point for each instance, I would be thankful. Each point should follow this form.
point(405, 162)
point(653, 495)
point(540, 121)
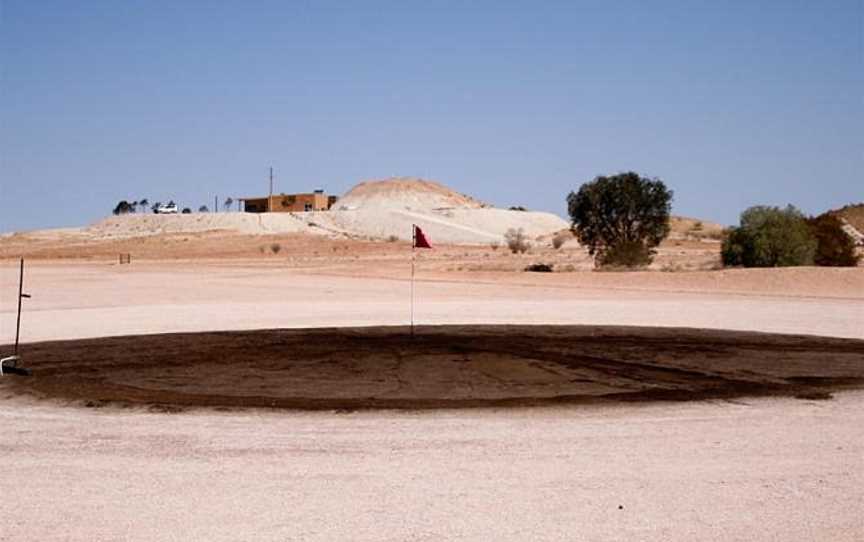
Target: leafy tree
point(834, 247)
point(228, 203)
point(770, 237)
point(122, 208)
point(155, 206)
point(144, 202)
point(621, 218)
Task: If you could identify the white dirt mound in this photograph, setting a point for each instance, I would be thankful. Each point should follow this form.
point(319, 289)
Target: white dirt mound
point(374, 209)
point(405, 193)
point(387, 208)
point(142, 225)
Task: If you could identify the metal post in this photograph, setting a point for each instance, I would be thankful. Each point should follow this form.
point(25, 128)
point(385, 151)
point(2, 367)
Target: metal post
point(21, 296)
point(413, 244)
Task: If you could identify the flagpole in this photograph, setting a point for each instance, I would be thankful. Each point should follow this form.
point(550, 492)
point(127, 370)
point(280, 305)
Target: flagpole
point(413, 244)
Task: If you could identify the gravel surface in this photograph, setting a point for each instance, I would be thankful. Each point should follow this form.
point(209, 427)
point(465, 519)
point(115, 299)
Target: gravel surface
point(766, 469)
point(748, 469)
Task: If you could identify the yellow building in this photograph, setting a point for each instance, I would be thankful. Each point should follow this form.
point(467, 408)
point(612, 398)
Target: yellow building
point(289, 203)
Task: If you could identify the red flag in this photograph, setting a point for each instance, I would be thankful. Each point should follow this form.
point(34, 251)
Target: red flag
point(420, 240)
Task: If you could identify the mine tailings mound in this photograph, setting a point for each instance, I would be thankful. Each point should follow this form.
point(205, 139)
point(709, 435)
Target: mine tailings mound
point(406, 192)
point(439, 367)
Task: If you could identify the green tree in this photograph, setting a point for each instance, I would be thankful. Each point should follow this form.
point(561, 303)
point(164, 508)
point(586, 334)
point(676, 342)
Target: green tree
point(621, 218)
point(770, 237)
point(834, 247)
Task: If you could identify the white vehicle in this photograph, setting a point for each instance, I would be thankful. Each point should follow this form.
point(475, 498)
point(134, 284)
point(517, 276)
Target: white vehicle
point(169, 208)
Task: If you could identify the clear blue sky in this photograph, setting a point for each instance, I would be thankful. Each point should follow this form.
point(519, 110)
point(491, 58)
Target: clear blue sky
point(731, 103)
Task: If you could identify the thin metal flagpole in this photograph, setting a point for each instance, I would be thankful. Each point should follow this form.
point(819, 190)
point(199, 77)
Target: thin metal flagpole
point(413, 245)
point(21, 296)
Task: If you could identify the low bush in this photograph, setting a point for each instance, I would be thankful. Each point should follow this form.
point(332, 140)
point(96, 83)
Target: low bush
point(769, 237)
point(539, 268)
point(516, 241)
point(626, 254)
point(834, 247)
point(559, 240)
point(275, 247)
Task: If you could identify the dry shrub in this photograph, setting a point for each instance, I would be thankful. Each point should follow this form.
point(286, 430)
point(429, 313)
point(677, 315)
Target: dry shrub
point(275, 247)
point(516, 241)
point(559, 240)
point(539, 268)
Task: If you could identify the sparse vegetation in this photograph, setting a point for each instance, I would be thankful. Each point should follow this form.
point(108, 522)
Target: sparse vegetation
point(494, 245)
point(123, 207)
point(627, 254)
point(559, 240)
point(770, 237)
point(392, 238)
point(539, 268)
point(622, 218)
point(834, 247)
point(516, 241)
point(853, 214)
point(672, 268)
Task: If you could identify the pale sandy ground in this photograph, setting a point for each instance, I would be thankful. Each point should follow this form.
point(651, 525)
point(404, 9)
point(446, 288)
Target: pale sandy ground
point(77, 300)
point(781, 470)
point(766, 469)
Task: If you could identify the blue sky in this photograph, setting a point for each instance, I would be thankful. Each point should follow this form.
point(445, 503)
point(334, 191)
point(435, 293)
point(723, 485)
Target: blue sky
point(730, 103)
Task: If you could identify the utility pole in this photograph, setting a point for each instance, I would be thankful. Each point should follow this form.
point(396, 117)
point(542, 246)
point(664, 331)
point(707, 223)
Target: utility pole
point(270, 197)
point(215, 204)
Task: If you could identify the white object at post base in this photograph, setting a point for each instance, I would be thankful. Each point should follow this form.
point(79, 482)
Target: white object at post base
point(13, 362)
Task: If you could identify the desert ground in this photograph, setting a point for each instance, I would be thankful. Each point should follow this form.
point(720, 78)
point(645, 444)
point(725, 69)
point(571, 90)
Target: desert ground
point(219, 388)
point(751, 463)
